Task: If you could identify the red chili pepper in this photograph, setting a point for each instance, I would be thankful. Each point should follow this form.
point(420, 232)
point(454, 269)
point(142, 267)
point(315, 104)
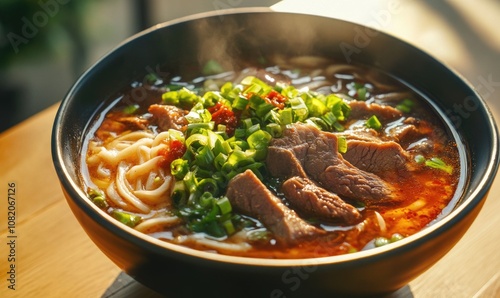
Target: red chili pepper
point(221, 114)
point(175, 149)
point(276, 99)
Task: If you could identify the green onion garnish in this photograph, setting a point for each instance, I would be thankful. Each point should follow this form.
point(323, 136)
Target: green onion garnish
point(405, 106)
point(437, 163)
point(214, 156)
point(130, 109)
point(373, 123)
point(342, 144)
point(130, 220)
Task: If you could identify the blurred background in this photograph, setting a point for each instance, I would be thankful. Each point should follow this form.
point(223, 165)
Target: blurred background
point(46, 44)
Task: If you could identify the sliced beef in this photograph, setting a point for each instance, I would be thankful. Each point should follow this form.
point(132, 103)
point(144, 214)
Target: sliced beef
point(402, 132)
point(364, 110)
point(282, 162)
point(377, 156)
point(325, 165)
point(116, 123)
point(250, 196)
point(317, 152)
point(285, 156)
point(169, 117)
point(368, 135)
point(308, 199)
point(422, 146)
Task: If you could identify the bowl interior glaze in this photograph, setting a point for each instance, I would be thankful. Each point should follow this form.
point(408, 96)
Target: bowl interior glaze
point(231, 36)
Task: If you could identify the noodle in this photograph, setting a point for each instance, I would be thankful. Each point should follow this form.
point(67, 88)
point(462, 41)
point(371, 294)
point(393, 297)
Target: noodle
point(157, 223)
point(214, 244)
point(115, 197)
point(131, 160)
point(114, 157)
point(154, 196)
point(123, 188)
point(142, 169)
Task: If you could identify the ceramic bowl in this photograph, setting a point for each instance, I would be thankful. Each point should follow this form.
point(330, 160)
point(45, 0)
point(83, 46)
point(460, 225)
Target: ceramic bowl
point(179, 271)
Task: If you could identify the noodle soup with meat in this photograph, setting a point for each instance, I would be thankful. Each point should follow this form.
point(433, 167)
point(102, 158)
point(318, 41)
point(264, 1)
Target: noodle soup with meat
point(295, 158)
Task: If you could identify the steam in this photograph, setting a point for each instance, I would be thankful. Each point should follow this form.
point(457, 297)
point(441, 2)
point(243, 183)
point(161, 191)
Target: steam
point(232, 40)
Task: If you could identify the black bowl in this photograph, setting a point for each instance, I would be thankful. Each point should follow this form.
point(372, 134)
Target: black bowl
point(181, 271)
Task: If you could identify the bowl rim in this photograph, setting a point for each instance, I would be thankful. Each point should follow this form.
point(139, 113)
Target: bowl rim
point(470, 201)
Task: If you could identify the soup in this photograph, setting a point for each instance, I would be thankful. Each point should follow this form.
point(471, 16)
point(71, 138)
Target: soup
point(296, 157)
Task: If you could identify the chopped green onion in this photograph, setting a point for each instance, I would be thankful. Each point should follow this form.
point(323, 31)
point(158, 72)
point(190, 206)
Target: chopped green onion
point(274, 130)
point(210, 98)
point(342, 144)
point(258, 235)
point(250, 130)
point(255, 85)
point(359, 90)
point(198, 114)
point(179, 168)
point(204, 157)
point(396, 237)
point(317, 122)
point(218, 148)
point(170, 97)
point(316, 107)
point(373, 123)
point(329, 119)
point(240, 132)
point(362, 93)
point(263, 108)
point(437, 163)
point(240, 103)
point(92, 193)
point(333, 100)
point(419, 158)
point(130, 109)
point(286, 116)
point(208, 185)
point(206, 199)
point(176, 135)
point(299, 108)
point(174, 87)
point(130, 220)
point(100, 202)
point(196, 126)
point(240, 145)
point(239, 157)
point(338, 127)
point(98, 198)
point(219, 161)
point(179, 193)
point(224, 205)
point(405, 106)
point(381, 241)
point(226, 89)
point(152, 78)
point(259, 141)
point(229, 227)
point(190, 182)
point(213, 138)
point(196, 141)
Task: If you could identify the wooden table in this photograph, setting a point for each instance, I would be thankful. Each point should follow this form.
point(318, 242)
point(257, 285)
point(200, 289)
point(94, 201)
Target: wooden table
point(55, 258)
